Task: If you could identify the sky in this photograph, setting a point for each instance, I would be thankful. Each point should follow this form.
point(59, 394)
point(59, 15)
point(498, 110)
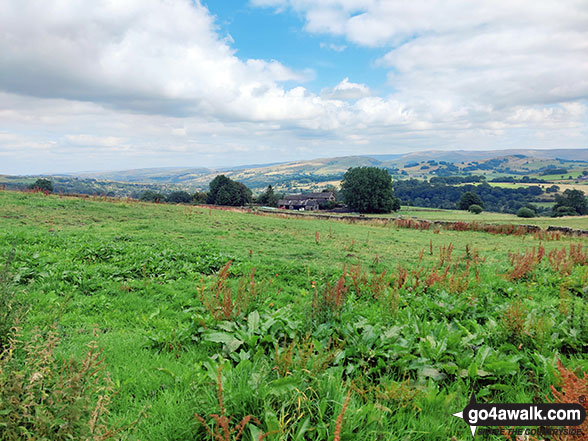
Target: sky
point(121, 84)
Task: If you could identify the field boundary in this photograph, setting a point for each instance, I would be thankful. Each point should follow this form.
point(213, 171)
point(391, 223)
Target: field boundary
point(414, 222)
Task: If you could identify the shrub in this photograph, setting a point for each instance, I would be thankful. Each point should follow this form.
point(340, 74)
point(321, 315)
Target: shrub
point(475, 208)
point(525, 212)
point(44, 398)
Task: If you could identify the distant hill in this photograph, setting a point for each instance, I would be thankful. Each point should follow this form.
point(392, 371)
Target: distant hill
point(467, 155)
point(315, 174)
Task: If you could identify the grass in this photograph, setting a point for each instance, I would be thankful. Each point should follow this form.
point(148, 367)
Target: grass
point(578, 222)
point(566, 185)
point(353, 331)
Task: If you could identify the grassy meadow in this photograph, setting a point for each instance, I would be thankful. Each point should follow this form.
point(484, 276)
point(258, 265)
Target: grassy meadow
point(317, 329)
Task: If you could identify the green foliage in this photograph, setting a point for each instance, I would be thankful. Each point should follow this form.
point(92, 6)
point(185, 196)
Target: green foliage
point(572, 203)
point(525, 212)
point(42, 184)
point(10, 307)
point(44, 398)
point(179, 197)
point(268, 197)
point(152, 196)
point(475, 208)
point(199, 198)
point(467, 199)
point(407, 320)
point(369, 190)
point(225, 191)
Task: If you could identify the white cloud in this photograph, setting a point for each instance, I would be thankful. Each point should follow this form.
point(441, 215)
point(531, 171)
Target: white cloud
point(346, 90)
point(333, 47)
point(471, 55)
point(153, 82)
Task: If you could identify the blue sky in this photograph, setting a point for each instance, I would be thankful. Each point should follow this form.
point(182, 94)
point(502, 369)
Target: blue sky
point(108, 85)
point(264, 33)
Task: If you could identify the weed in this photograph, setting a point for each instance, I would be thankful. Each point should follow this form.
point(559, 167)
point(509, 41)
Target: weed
point(339, 423)
point(573, 389)
point(221, 302)
point(523, 264)
point(43, 398)
point(221, 430)
point(513, 321)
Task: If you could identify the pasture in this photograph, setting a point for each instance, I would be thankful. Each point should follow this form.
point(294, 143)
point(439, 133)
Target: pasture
point(310, 329)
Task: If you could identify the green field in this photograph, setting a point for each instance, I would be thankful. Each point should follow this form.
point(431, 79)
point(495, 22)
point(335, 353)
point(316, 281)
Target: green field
point(578, 222)
point(403, 322)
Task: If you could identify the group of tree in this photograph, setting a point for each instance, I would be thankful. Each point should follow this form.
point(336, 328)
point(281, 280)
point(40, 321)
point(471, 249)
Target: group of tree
point(570, 203)
point(437, 194)
point(175, 197)
point(42, 184)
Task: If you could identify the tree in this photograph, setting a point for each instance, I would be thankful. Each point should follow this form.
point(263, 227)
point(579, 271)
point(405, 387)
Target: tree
point(42, 185)
point(469, 198)
point(179, 197)
point(525, 212)
point(573, 199)
point(268, 197)
point(225, 191)
point(475, 208)
point(151, 196)
point(369, 190)
point(199, 197)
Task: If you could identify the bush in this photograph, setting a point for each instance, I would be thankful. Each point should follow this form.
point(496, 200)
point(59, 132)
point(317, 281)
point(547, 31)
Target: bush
point(525, 212)
point(475, 208)
point(43, 398)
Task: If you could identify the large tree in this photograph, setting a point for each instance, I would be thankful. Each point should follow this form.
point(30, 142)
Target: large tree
point(369, 190)
point(225, 191)
point(468, 199)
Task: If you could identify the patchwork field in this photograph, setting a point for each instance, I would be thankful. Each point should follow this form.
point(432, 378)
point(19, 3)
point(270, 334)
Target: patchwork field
point(317, 329)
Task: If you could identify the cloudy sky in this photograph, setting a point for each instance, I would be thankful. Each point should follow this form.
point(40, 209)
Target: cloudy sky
point(116, 84)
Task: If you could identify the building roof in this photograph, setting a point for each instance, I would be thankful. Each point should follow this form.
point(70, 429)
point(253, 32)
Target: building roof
point(313, 196)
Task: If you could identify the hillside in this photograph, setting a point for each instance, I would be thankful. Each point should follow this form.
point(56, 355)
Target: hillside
point(532, 165)
point(312, 174)
point(285, 321)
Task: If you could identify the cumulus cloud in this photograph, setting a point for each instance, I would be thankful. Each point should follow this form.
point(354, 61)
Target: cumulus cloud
point(472, 54)
point(151, 56)
point(153, 80)
point(346, 90)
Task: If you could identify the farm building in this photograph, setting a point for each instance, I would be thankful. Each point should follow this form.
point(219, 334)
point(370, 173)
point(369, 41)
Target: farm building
point(306, 202)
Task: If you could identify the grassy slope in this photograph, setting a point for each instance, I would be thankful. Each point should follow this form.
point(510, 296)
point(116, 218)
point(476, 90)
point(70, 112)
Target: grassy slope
point(131, 271)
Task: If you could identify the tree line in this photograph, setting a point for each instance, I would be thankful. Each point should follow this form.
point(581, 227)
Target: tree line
point(371, 190)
